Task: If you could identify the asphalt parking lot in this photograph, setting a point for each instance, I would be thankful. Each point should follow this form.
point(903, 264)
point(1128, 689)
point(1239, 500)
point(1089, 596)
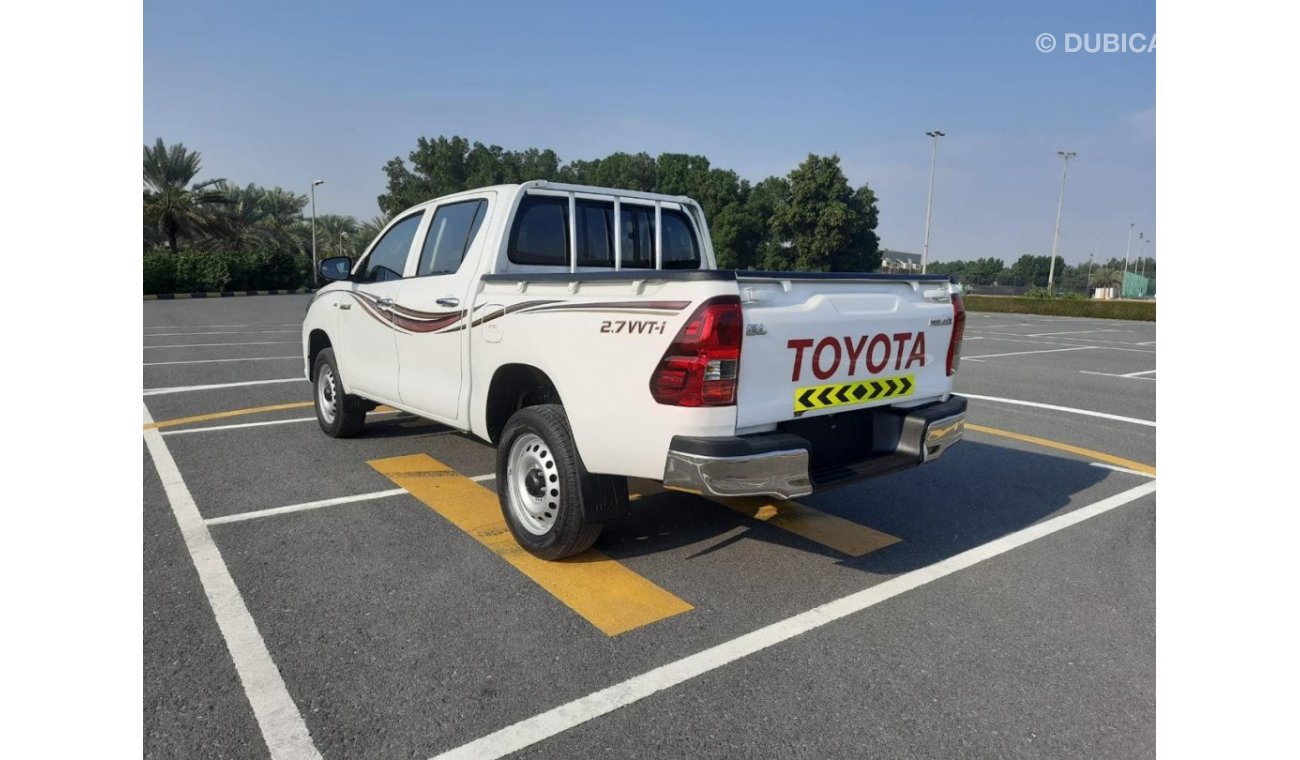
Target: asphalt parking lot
point(309, 595)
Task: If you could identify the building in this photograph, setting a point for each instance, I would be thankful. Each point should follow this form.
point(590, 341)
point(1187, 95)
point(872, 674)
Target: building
point(897, 262)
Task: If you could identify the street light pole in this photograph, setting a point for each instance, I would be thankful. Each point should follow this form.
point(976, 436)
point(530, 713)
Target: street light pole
point(1056, 236)
point(929, 200)
point(1087, 281)
point(315, 274)
point(1128, 249)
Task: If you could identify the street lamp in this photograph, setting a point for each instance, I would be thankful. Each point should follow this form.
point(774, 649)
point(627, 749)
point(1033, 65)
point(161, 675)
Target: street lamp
point(929, 200)
point(1056, 236)
point(315, 275)
point(1087, 281)
point(1128, 249)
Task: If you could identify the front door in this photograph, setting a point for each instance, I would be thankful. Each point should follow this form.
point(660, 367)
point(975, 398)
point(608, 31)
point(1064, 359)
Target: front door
point(436, 309)
point(367, 356)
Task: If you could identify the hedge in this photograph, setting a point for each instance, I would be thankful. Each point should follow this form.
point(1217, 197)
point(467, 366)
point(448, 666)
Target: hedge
point(1064, 307)
point(209, 272)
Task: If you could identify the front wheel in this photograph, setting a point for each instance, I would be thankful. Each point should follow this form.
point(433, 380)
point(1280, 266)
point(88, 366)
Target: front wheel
point(541, 484)
point(340, 415)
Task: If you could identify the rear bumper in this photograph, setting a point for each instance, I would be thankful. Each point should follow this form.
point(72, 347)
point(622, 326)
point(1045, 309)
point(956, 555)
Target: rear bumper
point(787, 465)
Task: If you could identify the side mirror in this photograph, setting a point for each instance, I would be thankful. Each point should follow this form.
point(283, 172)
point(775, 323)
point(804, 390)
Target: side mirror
point(336, 268)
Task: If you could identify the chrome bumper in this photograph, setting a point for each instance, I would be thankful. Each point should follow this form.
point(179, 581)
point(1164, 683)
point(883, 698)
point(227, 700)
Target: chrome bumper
point(783, 474)
point(778, 464)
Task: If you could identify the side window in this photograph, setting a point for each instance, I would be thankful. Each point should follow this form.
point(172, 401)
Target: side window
point(540, 234)
point(450, 233)
point(638, 237)
point(595, 234)
point(680, 248)
point(387, 260)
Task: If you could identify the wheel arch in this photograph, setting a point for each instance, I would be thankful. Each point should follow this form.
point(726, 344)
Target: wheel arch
point(513, 387)
point(317, 340)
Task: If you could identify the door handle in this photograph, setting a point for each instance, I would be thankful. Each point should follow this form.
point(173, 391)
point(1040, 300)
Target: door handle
point(344, 306)
point(449, 301)
point(385, 303)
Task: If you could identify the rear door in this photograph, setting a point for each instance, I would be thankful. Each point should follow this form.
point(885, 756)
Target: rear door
point(819, 346)
point(434, 312)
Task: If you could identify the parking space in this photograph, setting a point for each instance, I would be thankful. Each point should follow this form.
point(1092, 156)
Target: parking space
point(997, 602)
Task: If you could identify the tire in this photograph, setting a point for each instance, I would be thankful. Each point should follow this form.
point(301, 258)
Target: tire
point(341, 415)
point(545, 491)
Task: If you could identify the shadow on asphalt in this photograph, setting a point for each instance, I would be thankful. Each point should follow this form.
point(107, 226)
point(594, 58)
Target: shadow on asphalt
point(975, 494)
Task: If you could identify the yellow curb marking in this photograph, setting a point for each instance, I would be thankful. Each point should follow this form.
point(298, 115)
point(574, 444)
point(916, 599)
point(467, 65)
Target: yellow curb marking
point(224, 415)
point(603, 591)
point(1100, 456)
point(844, 536)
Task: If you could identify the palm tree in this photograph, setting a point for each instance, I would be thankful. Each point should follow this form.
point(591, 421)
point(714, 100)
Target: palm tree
point(1106, 278)
point(242, 224)
point(370, 230)
point(172, 205)
point(336, 233)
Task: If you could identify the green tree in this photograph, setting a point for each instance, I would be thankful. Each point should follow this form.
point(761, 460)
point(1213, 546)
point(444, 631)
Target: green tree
point(628, 171)
point(448, 165)
point(173, 206)
point(826, 225)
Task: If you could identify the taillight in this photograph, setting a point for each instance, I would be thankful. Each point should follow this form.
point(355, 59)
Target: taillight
point(958, 329)
point(702, 363)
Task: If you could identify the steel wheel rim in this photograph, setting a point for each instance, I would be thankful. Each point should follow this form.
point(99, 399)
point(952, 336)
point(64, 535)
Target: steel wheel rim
point(326, 394)
point(533, 484)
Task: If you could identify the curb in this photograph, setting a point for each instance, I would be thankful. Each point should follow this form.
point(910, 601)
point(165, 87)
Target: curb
point(227, 294)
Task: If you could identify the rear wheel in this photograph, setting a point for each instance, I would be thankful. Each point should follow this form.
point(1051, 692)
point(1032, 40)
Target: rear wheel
point(341, 415)
point(541, 484)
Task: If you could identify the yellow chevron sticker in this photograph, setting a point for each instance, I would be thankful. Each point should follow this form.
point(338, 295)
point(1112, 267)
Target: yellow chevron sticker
point(858, 392)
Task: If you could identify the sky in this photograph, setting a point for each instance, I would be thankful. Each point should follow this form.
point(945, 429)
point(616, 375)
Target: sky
point(280, 93)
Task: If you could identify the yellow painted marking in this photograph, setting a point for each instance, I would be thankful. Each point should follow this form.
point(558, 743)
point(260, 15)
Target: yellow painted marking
point(224, 415)
point(857, 392)
point(606, 593)
point(844, 536)
point(1100, 456)
point(381, 409)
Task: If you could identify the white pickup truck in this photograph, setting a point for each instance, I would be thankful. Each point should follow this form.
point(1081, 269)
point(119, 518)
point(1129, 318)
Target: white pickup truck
point(586, 332)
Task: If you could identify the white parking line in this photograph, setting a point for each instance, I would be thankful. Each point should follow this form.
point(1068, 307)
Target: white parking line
point(1026, 353)
point(1112, 374)
point(1139, 374)
point(220, 332)
point(208, 345)
point(481, 478)
point(1116, 468)
point(213, 361)
point(532, 730)
point(1067, 332)
point(1110, 345)
point(188, 388)
point(277, 716)
point(240, 517)
point(187, 431)
point(1055, 408)
point(208, 327)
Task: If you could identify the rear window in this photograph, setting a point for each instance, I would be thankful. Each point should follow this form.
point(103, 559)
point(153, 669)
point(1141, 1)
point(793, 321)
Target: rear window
point(541, 235)
point(680, 249)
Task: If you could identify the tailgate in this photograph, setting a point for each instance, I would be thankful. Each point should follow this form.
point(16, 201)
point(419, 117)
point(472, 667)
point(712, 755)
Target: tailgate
point(817, 346)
